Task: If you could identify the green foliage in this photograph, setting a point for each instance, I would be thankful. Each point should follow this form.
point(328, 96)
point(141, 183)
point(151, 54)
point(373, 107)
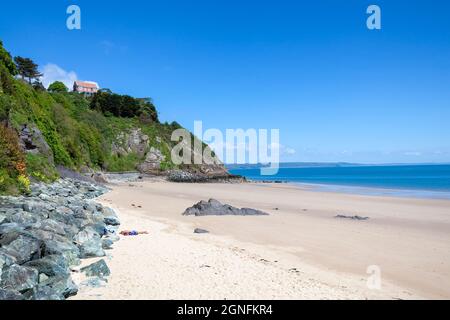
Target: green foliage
point(8, 185)
point(57, 86)
point(113, 104)
point(27, 68)
point(12, 162)
point(40, 169)
point(123, 163)
point(6, 60)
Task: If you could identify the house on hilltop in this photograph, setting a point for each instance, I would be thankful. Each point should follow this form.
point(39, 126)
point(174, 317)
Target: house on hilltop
point(87, 88)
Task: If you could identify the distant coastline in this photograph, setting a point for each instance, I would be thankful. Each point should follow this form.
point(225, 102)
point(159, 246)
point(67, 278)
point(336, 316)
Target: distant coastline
point(418, 181)
point(329, 164)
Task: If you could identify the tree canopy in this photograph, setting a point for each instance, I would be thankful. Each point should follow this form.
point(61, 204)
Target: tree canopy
point(58, 86)
point(124, 106)
point(26, 68)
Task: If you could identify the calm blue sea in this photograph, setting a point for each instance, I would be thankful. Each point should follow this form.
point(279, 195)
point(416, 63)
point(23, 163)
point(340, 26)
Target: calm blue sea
point(428, 181)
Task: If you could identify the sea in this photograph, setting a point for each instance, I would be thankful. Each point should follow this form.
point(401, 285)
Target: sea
point(419, 181)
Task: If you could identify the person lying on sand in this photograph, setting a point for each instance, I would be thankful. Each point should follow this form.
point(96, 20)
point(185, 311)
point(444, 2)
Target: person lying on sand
point(132, 232)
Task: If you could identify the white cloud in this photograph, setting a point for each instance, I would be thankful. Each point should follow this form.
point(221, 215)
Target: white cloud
point(282, 149)
point(53, 73)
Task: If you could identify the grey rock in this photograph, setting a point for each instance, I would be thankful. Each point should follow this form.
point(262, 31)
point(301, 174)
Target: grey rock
point(43, 277)
point(110, 217)
point(112, 237)
point(198, 230)
point(63, 214)
point(107, 243)
point(41, 292)
point(89, 243)
point(94, 282)
point(51, 265)
point(340, 216)
point(99, 228)
point(51, 226)
point(65, 248)
point(62, 286)
point(6, 260)
point(33, 141)
point(10, 295)
point(24, 249)
point(152, 162)
point(133, 141)
point(19, 278)
point(10, 227)
point(97, 269)
point(112, 221)
point(45, 233)
point(214, 207)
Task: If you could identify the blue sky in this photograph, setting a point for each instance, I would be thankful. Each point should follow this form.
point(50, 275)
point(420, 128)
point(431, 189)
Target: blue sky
point(336, 90)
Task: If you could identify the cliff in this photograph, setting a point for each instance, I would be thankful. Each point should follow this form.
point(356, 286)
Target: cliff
point(40, 131)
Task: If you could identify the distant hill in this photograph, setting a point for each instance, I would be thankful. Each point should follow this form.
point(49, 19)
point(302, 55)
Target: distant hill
point(294, 165)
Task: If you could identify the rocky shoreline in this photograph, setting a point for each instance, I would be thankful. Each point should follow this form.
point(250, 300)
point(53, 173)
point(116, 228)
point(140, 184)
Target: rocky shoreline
point(181, 176)
point(44, 235)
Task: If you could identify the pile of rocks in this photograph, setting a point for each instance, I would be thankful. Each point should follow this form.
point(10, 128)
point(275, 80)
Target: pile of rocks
point(190, 177)
point(44, 235)
point(213, 207)
point(341, 216)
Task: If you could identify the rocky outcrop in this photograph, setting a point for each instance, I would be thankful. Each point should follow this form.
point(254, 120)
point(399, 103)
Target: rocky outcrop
point(44, 235)
point(183, 176)
point(32, 141)
point(152, 162)
point(133, 141)
point(215, 208)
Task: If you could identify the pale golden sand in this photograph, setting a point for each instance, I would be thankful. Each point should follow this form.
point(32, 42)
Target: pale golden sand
point(253, 257)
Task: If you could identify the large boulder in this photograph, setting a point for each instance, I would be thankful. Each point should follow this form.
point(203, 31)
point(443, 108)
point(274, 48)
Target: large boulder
point(6, 260)
point(61, 285)
point(66, 248)
point(215, 208)
point(24, 249)
point(110, 217)
point(24, 218)
point(89, 242)
point(46, 293)
point(97, 269)
point(63, 214)
point(51, 265)
point(10, 295)
point(19, 278)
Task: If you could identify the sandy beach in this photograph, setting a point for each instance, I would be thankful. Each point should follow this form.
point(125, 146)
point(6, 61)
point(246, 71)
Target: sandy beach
point(299, 251)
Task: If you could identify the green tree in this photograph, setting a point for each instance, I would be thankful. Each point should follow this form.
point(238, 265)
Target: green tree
point(37, 85)
point(57, 86)
point(6, 60)
point(26, 68)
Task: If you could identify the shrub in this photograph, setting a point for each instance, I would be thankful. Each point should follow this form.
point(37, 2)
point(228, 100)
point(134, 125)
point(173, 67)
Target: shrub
point(40, 169)
point(12, 161)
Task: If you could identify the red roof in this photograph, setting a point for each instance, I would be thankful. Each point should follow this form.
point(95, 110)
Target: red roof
point(86, 84)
